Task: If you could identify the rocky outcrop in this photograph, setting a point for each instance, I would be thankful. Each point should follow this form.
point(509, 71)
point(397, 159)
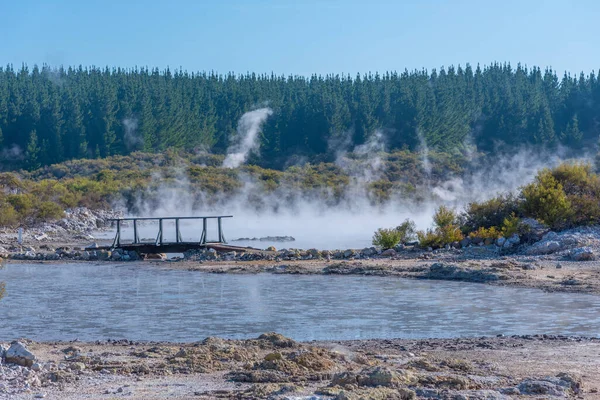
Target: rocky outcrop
point(18, 354)
point(454, 272)
point(561, 385)
point(582, 254)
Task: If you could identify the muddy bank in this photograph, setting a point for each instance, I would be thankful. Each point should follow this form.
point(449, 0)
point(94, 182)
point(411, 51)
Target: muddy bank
point(276, 367)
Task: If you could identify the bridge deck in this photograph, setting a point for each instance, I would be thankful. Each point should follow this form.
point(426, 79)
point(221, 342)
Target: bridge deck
point(179, 246)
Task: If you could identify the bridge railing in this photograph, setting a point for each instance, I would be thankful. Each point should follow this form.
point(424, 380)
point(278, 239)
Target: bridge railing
point(178, 239)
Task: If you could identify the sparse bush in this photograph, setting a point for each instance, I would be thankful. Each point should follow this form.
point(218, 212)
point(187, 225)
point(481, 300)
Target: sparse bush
point(8, 215)
point(22, 203)
point(511, 225)
point(444, 216)
point(446, 229)
point(390, 238)
point(387, 238)
point(407, 230)
point(48, 211)
point(545, 200)
point(489, 213)
point(429, 238)
point(486, 233)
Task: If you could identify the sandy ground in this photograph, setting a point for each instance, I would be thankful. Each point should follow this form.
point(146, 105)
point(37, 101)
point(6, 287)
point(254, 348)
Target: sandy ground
point(276, 367)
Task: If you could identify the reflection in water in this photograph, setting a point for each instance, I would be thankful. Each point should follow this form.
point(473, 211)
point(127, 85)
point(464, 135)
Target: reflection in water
point(146, 302)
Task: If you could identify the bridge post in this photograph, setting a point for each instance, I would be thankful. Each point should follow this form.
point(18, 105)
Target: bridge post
point(159, 237)
point(177, 234)
point(203, 237)
point(118, 233)
point(220, 230)
point(135, 232)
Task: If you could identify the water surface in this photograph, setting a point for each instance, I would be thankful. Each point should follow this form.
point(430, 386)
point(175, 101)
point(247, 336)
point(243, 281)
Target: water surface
point(149, 302)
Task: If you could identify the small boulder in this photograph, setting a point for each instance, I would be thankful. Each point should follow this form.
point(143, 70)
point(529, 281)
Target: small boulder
point(544, 247)
point(465, 242)
point(514, 239)
point(271, 248)
point(476, 240)
point(389, 253)
point(500, 241)
point(582, 254)
point(349, 253)
point(368, 251)
point(314, 253)
point(18, 354)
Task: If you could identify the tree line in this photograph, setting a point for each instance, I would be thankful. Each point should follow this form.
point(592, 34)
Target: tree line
point(49, 115)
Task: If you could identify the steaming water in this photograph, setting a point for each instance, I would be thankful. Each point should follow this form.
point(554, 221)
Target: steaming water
point(335, 230)
point(146, 302)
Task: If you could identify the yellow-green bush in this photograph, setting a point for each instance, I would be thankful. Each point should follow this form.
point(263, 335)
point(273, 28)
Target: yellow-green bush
point(8, 215)
point(22, 203)
point(48, 211)
point(387, 238)
point(545, 200)
point(486, 233)
point(511, 225)
point(446, 229)
point(489, 213)
point(444, 216)
point(440, 236)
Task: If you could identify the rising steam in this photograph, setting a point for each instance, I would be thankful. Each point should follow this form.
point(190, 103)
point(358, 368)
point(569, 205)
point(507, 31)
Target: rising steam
point(424, 152)
point(133, 140)
point(320, 218)
point(246, 140)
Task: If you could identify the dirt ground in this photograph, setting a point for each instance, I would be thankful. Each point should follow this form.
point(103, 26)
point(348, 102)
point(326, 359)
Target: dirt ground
point(272, 366)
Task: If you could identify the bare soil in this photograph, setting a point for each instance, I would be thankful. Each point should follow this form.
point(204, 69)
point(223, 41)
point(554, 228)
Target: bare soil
point(273, 366)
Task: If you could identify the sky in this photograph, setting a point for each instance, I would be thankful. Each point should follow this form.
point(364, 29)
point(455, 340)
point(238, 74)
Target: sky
point(301, 37)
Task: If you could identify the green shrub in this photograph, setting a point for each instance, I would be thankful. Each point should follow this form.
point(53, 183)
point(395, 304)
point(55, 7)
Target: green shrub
point(387, 238)
point(545, 200)
point(444, 216)
point(407, 230)
point(440, 236)
point(486, 233)
point(8, 215)
point(22, 203)
point(49, 211)
point(511, 225)
point(446, 229)
point(489, 213)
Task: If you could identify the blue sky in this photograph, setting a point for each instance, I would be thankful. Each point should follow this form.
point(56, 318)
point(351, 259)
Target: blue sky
point(301, 37)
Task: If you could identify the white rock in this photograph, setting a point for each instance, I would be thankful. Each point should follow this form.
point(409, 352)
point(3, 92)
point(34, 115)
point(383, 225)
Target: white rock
point(18, 354)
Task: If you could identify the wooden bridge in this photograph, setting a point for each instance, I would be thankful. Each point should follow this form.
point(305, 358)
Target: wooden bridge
point(159, 245)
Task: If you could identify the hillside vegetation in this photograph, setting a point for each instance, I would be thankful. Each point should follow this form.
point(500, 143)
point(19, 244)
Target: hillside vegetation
point(141, 179)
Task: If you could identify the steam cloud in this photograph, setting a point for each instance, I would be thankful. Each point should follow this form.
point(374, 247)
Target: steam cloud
point(12, 153)
point(424, 152)
point(246, 140)
point(131, 137)
point(322, 219)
